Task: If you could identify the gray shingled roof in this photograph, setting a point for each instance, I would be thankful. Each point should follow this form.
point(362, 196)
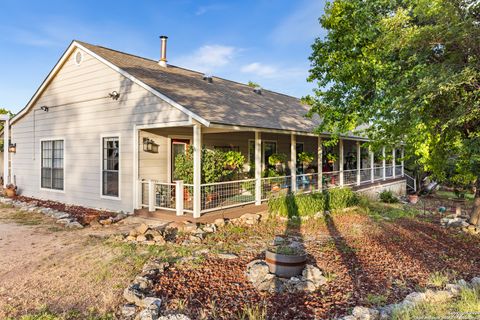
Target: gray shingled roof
point(220, 102)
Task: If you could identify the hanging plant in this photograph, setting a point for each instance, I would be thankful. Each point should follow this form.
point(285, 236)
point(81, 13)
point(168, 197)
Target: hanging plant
point(306, 158)
point(277, 159)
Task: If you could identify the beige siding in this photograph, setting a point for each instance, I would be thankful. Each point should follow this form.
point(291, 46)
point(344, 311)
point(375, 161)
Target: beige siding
point(80, 113)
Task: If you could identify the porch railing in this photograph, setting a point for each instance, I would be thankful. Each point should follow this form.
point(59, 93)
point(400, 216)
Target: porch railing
point(178, 196)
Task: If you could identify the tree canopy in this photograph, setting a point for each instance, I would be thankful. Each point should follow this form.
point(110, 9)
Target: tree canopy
point(410, 69)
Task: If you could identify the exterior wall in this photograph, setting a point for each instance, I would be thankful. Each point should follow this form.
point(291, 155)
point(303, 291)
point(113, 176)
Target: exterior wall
point(398, 187)
point(80, 112)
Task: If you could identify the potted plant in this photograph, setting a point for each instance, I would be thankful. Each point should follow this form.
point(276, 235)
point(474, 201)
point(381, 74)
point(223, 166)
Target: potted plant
point(306, 158)
point(413, 198)
point(11, 190)
point(285, 261)
point(277, 161)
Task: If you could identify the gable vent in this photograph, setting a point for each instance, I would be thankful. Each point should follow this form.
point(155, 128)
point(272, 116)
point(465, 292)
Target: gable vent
point(208, 78)
point(257, 90)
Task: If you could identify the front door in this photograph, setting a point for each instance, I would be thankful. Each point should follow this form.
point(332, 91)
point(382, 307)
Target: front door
point(178, 147)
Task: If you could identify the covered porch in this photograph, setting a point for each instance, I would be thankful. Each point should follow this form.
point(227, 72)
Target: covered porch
point(349, 163)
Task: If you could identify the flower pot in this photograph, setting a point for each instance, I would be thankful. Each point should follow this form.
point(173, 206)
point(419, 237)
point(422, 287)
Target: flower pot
point(285, 266)
point(275, 187)
point(10, 193)
point(413, 198)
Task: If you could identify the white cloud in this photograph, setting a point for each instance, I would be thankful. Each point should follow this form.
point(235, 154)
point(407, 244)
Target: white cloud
point(205, 9)
point(273, 72)
point(208, 58)
point(301, 25)
point(259, 69)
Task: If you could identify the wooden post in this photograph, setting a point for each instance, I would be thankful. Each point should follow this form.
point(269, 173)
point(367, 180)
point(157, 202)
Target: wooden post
point(151, 195)
point(179, 197)
point(293, 161)
point(403, 162)
point(197, 170)
point(341, 162)
point(258, 168)
point(383, 164)
point(320, 162)
point(372, 165)
point(359, 164)
point(393, 163)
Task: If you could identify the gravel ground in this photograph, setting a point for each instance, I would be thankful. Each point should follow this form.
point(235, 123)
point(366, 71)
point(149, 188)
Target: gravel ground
point(367, 262)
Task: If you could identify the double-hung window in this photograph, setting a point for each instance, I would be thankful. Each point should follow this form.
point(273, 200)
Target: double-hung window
point(52, 175)
point(110, 166)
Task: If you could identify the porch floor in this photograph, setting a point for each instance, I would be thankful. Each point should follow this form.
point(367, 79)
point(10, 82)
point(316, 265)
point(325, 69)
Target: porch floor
point(209, 217)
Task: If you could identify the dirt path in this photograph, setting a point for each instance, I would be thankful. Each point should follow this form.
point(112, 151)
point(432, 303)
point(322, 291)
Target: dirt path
point(43, 265)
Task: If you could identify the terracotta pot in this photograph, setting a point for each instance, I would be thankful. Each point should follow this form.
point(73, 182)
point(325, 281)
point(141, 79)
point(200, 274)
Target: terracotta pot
point(285, 266)
point(10, 193)
point(413, 198)
point(275, 187)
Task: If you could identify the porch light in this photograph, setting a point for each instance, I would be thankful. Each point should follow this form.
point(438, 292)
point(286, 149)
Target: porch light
point(150, 146)
point(12, 148)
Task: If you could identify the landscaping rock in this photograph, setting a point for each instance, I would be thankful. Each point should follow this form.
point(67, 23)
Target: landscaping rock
point(475, 282)
point(133, 294)
point(363, 313)
point(74, 225)
point(416, 297)
point(305, 285)
point(219, 222)
point(314, 275)
point(257, 270)
point(143, 282)
point(174, 317)
point(141, 238)
point(151, 303)
point(128, 311)
point(141, 229)
point(190, 227)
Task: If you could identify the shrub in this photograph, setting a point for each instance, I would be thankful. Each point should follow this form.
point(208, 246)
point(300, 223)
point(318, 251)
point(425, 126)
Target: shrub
point(292, 205)
point(388, 197)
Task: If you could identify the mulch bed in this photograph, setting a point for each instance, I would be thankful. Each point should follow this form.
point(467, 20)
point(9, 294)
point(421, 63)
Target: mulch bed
point(368, 261)
point(82, 214)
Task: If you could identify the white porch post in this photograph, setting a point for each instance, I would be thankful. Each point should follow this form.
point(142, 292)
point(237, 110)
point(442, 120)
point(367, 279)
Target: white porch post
point(293, 161)
point(393, 163)
point(179, 197)
point(151, 195)
point(320, 162)
point(372, 165)
point(384, 173)
point(258, 168)
point(403, 161)
point(6, 142)
point(341, 162)
point(197, 170)
point(359, 164)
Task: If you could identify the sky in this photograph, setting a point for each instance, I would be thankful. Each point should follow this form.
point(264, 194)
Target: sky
point(265, 41)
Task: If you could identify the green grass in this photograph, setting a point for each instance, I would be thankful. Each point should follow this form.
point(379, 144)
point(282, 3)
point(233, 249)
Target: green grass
point(467, 306)
point(376, 299)
point(387, 211)
point(437, 279)
point(451, 195)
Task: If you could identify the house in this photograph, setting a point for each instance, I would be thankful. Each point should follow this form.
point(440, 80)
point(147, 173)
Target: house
point(105, 126)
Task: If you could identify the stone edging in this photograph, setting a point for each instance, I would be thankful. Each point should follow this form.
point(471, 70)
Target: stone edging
point(459, 221)
point(61, 217)
point(451, 291)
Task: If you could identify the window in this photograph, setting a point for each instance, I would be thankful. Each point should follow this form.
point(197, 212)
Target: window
point(268, 148)
point(52, 165)
point(110, 166)
point(78, 57)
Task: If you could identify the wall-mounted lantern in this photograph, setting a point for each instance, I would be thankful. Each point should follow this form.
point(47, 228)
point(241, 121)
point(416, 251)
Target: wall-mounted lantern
point(150, 146)
point(12, 148)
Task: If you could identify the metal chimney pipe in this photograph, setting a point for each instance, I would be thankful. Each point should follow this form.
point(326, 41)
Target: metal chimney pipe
point(163, 51)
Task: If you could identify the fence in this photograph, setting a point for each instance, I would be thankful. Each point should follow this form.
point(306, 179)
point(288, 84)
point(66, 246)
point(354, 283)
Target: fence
point(178, 197)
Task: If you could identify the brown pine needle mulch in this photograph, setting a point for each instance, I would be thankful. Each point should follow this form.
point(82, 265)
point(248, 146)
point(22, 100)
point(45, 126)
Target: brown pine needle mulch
point(367, 262)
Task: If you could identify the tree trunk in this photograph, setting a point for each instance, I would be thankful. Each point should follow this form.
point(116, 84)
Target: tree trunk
point(475, 216)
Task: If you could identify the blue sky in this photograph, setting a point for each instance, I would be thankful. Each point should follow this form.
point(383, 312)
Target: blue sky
point(266, 41)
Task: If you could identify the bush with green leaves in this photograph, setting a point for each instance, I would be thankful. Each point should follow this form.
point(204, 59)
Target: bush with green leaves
point(293, 205)
point(387, 196)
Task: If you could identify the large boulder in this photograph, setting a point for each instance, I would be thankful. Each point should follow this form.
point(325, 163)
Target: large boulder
point(314, 275)
point(133, 294)
point(364, 313)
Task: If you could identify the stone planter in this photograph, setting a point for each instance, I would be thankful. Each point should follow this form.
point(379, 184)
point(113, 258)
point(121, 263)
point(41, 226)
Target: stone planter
point(285, 266)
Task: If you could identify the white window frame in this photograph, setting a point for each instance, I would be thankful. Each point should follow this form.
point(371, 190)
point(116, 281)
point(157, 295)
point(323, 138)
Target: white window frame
point(112, 135)
point(64, 164)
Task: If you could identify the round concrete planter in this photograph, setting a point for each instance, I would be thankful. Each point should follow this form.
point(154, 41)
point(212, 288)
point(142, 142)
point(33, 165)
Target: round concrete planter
point(285, 266)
